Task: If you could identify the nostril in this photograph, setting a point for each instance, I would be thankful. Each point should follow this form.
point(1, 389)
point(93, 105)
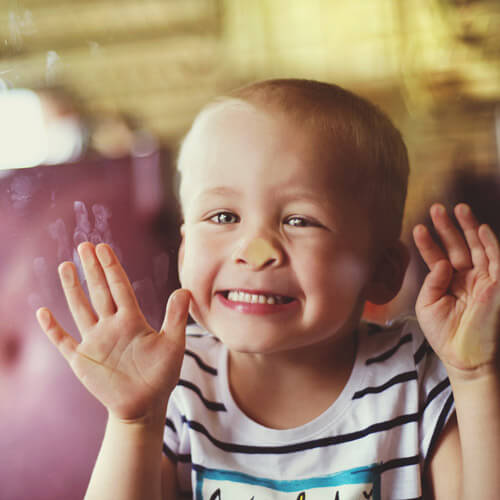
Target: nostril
point(10, 349)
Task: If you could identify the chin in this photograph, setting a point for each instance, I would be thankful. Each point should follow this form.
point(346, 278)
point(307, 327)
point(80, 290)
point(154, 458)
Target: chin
point(255, 345)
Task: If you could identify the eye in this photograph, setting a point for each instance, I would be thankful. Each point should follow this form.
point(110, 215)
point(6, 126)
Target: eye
point(224, 218)
point(299, 221)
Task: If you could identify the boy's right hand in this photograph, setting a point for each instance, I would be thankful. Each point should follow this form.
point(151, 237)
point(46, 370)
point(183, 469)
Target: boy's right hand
point(128, 366)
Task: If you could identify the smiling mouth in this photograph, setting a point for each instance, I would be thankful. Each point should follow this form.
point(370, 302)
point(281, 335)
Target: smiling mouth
point(256, 298)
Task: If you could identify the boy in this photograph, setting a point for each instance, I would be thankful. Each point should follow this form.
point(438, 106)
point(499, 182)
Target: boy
point(292, 194)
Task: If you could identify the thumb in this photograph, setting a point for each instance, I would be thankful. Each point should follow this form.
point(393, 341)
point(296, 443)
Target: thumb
point(66, 344)
point(174, 323)
point(435, 284)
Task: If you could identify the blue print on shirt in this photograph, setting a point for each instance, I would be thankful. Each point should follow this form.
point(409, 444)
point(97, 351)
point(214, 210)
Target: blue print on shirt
point(355, 484)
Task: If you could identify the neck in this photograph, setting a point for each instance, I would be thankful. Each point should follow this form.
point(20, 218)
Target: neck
point(288, 389)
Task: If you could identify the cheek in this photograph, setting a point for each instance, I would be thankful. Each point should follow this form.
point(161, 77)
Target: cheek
point(197, 267)
point(196, 273)
point(350, 273)
point(336, 277)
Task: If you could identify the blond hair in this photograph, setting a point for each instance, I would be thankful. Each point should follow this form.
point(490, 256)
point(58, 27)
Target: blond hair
point(349, 126)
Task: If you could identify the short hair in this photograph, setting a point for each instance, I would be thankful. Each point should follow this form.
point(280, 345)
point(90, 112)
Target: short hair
point(377, 166)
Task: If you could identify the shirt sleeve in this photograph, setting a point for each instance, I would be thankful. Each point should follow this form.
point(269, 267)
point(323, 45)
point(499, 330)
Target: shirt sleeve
point(173, 423)
point(436, 404)
point(174, 420)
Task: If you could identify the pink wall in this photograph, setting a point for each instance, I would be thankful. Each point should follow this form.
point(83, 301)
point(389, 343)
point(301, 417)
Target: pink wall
point(50, 428)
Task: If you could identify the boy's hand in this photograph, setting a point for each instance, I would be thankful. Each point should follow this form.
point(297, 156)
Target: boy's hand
point(121, 360)
point(458, 306)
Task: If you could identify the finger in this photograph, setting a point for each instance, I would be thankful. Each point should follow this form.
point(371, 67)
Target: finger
point(78, 304)
point(436, 284)
point(61, 339)
point(174, 324)
point(470, 226)
point(451, 238)
point(492, 249)
point(99, 292)
point(119, 285)
point(429, 250)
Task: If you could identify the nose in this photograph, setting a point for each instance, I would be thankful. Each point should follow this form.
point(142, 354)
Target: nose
point(258, 253)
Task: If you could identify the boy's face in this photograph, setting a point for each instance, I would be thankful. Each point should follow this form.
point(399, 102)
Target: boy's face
point(265, 216)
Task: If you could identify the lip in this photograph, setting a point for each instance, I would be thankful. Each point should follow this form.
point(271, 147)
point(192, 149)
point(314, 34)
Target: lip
point(256, 308)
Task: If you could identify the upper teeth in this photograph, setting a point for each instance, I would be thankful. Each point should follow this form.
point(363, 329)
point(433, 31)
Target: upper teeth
point(237, 296)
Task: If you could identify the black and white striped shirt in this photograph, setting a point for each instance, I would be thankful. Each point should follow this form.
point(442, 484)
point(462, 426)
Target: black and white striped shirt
point(372, 442)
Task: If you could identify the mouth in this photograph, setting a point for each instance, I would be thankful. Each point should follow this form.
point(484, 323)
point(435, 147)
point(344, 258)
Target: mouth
point(255, 298)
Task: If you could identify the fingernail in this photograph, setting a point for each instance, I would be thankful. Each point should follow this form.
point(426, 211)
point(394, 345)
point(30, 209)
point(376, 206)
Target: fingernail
point(419, 228)
point(66, 273)
point(439, 209)
point(490, 234)
point(104, 254)
point(177, 305)
point(43, 317)
point(83, 247)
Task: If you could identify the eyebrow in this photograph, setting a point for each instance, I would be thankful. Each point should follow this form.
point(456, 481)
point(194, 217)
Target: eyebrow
point(222, 190)
point(219, 191)
point(288, 197)
point(303, 196)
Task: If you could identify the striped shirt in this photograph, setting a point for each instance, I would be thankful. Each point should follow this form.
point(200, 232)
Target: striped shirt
point(371, 443)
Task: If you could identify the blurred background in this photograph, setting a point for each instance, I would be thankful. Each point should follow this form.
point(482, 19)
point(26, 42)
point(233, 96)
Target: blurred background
point(94, 98)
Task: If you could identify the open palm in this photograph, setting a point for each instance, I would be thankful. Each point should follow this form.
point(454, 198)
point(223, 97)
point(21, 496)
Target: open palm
point(128, 366)
point(459, 304)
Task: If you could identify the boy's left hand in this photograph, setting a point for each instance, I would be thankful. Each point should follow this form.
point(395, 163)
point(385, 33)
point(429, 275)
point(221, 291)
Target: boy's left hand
point(458, 307)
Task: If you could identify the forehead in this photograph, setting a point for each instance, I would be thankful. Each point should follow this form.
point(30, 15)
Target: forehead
point(223, 129)
point(234, 137)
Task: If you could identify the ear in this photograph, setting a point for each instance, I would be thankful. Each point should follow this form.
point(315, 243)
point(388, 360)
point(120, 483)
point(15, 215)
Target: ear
point(180, 253)
point(388, 274)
